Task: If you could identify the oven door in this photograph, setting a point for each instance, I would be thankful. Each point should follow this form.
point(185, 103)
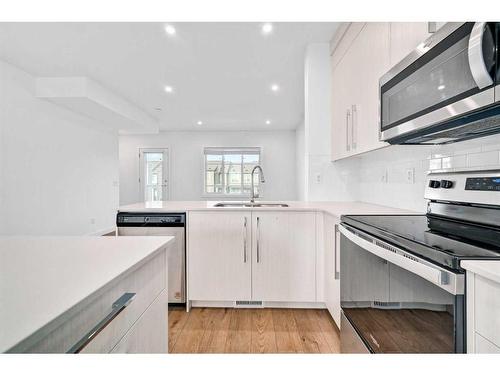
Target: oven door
point(451, 73)
point(393, 302)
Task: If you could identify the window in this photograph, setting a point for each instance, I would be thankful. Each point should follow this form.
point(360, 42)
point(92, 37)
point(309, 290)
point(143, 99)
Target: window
point(228, 170)
point(153, 174)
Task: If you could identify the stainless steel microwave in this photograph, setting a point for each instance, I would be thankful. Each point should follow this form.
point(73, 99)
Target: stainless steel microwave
point(446, 90)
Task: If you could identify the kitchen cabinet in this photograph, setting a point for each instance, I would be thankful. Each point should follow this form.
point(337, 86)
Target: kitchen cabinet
point(147, 334)
point(271, 258)
point(219, 256)
point(332, 266)
point(483, 306)
point(355, 91)
point(405, 37)
point(132, 306)
point(284, 256)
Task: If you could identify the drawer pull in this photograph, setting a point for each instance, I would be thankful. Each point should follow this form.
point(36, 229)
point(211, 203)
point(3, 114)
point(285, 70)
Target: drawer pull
point(116, 308)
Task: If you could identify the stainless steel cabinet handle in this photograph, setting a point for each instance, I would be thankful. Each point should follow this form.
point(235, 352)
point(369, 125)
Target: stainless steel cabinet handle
point(336, 273)
point(347, 117)
point(116, 308)
point(258, 240)
point(354, 125)
point(245, 240)
point(476, 59)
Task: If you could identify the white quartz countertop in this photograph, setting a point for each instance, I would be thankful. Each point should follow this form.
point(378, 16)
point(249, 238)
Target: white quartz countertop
point(41, 278)
point(489, 269)
point(333, 208)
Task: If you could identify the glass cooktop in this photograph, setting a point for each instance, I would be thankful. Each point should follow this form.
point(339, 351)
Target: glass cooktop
point(441, 241)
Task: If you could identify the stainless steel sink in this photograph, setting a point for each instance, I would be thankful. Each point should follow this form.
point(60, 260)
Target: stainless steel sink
point(248, 204)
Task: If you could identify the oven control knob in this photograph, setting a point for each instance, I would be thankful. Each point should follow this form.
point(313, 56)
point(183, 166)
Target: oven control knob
point(435, 184)
point(446, 184)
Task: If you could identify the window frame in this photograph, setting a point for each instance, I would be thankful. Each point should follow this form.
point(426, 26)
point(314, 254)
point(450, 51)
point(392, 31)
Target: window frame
point(228, 150)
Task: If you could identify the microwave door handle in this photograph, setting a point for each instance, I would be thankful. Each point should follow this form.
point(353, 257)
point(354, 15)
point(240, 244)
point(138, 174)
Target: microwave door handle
point(476, 59)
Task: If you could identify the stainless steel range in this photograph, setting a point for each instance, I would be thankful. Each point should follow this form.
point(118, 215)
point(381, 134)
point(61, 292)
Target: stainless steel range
point(402, 287)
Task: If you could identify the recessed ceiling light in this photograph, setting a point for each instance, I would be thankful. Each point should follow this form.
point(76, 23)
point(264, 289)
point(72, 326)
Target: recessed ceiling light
point(267, 28)
point(169, 89)
point(199, 123)
point(170, 30)
point(441, 87)
point(268, 122)
point(275, 87)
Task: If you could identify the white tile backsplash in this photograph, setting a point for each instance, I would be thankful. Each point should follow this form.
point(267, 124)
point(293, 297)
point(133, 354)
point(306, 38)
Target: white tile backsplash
point(485, 158)
point(435, 164)
point(451, 162)
point(394, 161)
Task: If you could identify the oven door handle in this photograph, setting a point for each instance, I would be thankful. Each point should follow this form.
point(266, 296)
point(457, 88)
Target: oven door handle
point(438, 276)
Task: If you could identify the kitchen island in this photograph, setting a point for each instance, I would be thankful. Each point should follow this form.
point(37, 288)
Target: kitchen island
point(83, 294)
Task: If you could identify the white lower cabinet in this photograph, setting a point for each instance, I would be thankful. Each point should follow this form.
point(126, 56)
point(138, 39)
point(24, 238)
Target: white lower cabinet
point(219, 256)
point(252, 256)
point(332, 266)
point(483, 314)
point(149, 334)
point(284, 259)
point(97, 325)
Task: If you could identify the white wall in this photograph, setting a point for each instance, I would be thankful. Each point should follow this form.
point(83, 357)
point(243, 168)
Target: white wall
point(300, 161)
point(323, 180)
point(187, 163)
point(60, 174)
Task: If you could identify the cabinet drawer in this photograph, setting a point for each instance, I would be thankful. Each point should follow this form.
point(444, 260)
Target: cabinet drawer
point(149, 333)
point(147, 282)
point(486, 307)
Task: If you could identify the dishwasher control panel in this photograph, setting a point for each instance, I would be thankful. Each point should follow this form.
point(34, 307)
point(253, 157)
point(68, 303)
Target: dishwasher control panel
point(149, 219)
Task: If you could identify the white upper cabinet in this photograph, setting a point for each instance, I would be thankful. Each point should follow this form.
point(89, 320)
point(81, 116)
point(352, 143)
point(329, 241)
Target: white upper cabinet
point(405, 37)
point(284, 256)
point(364, 53)
point(355, 77)
point(370, 58)
point(219, 258)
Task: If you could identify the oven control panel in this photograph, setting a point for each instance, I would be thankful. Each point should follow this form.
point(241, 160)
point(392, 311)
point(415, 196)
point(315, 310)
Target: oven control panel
point(483, 183)
point(480, 187)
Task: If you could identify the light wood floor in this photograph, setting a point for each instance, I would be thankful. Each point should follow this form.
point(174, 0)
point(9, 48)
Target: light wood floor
point(220, 330)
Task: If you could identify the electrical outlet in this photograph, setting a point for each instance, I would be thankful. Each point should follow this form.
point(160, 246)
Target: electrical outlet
point(92, 221)
point(410, 175)
point(318, 178)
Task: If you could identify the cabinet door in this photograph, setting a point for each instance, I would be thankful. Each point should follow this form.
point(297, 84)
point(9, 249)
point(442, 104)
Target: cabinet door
point(219, 256)
point(355, 93)
point(149, 334)
point(369, 57)
point(284, 256)
point(332, 269)
point(405, 37)
point(340, 137)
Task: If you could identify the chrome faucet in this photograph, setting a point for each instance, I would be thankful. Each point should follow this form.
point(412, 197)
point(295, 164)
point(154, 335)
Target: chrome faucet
point(262, 180)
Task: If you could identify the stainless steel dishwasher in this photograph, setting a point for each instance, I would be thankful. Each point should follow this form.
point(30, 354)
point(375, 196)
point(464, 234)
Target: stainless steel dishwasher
point(161, 224)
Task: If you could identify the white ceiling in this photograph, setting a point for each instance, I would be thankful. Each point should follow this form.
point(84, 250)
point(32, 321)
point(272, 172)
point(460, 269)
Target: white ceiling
point(221, 72)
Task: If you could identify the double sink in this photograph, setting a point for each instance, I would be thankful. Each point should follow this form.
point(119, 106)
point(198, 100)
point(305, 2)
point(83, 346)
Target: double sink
point(249, 204)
